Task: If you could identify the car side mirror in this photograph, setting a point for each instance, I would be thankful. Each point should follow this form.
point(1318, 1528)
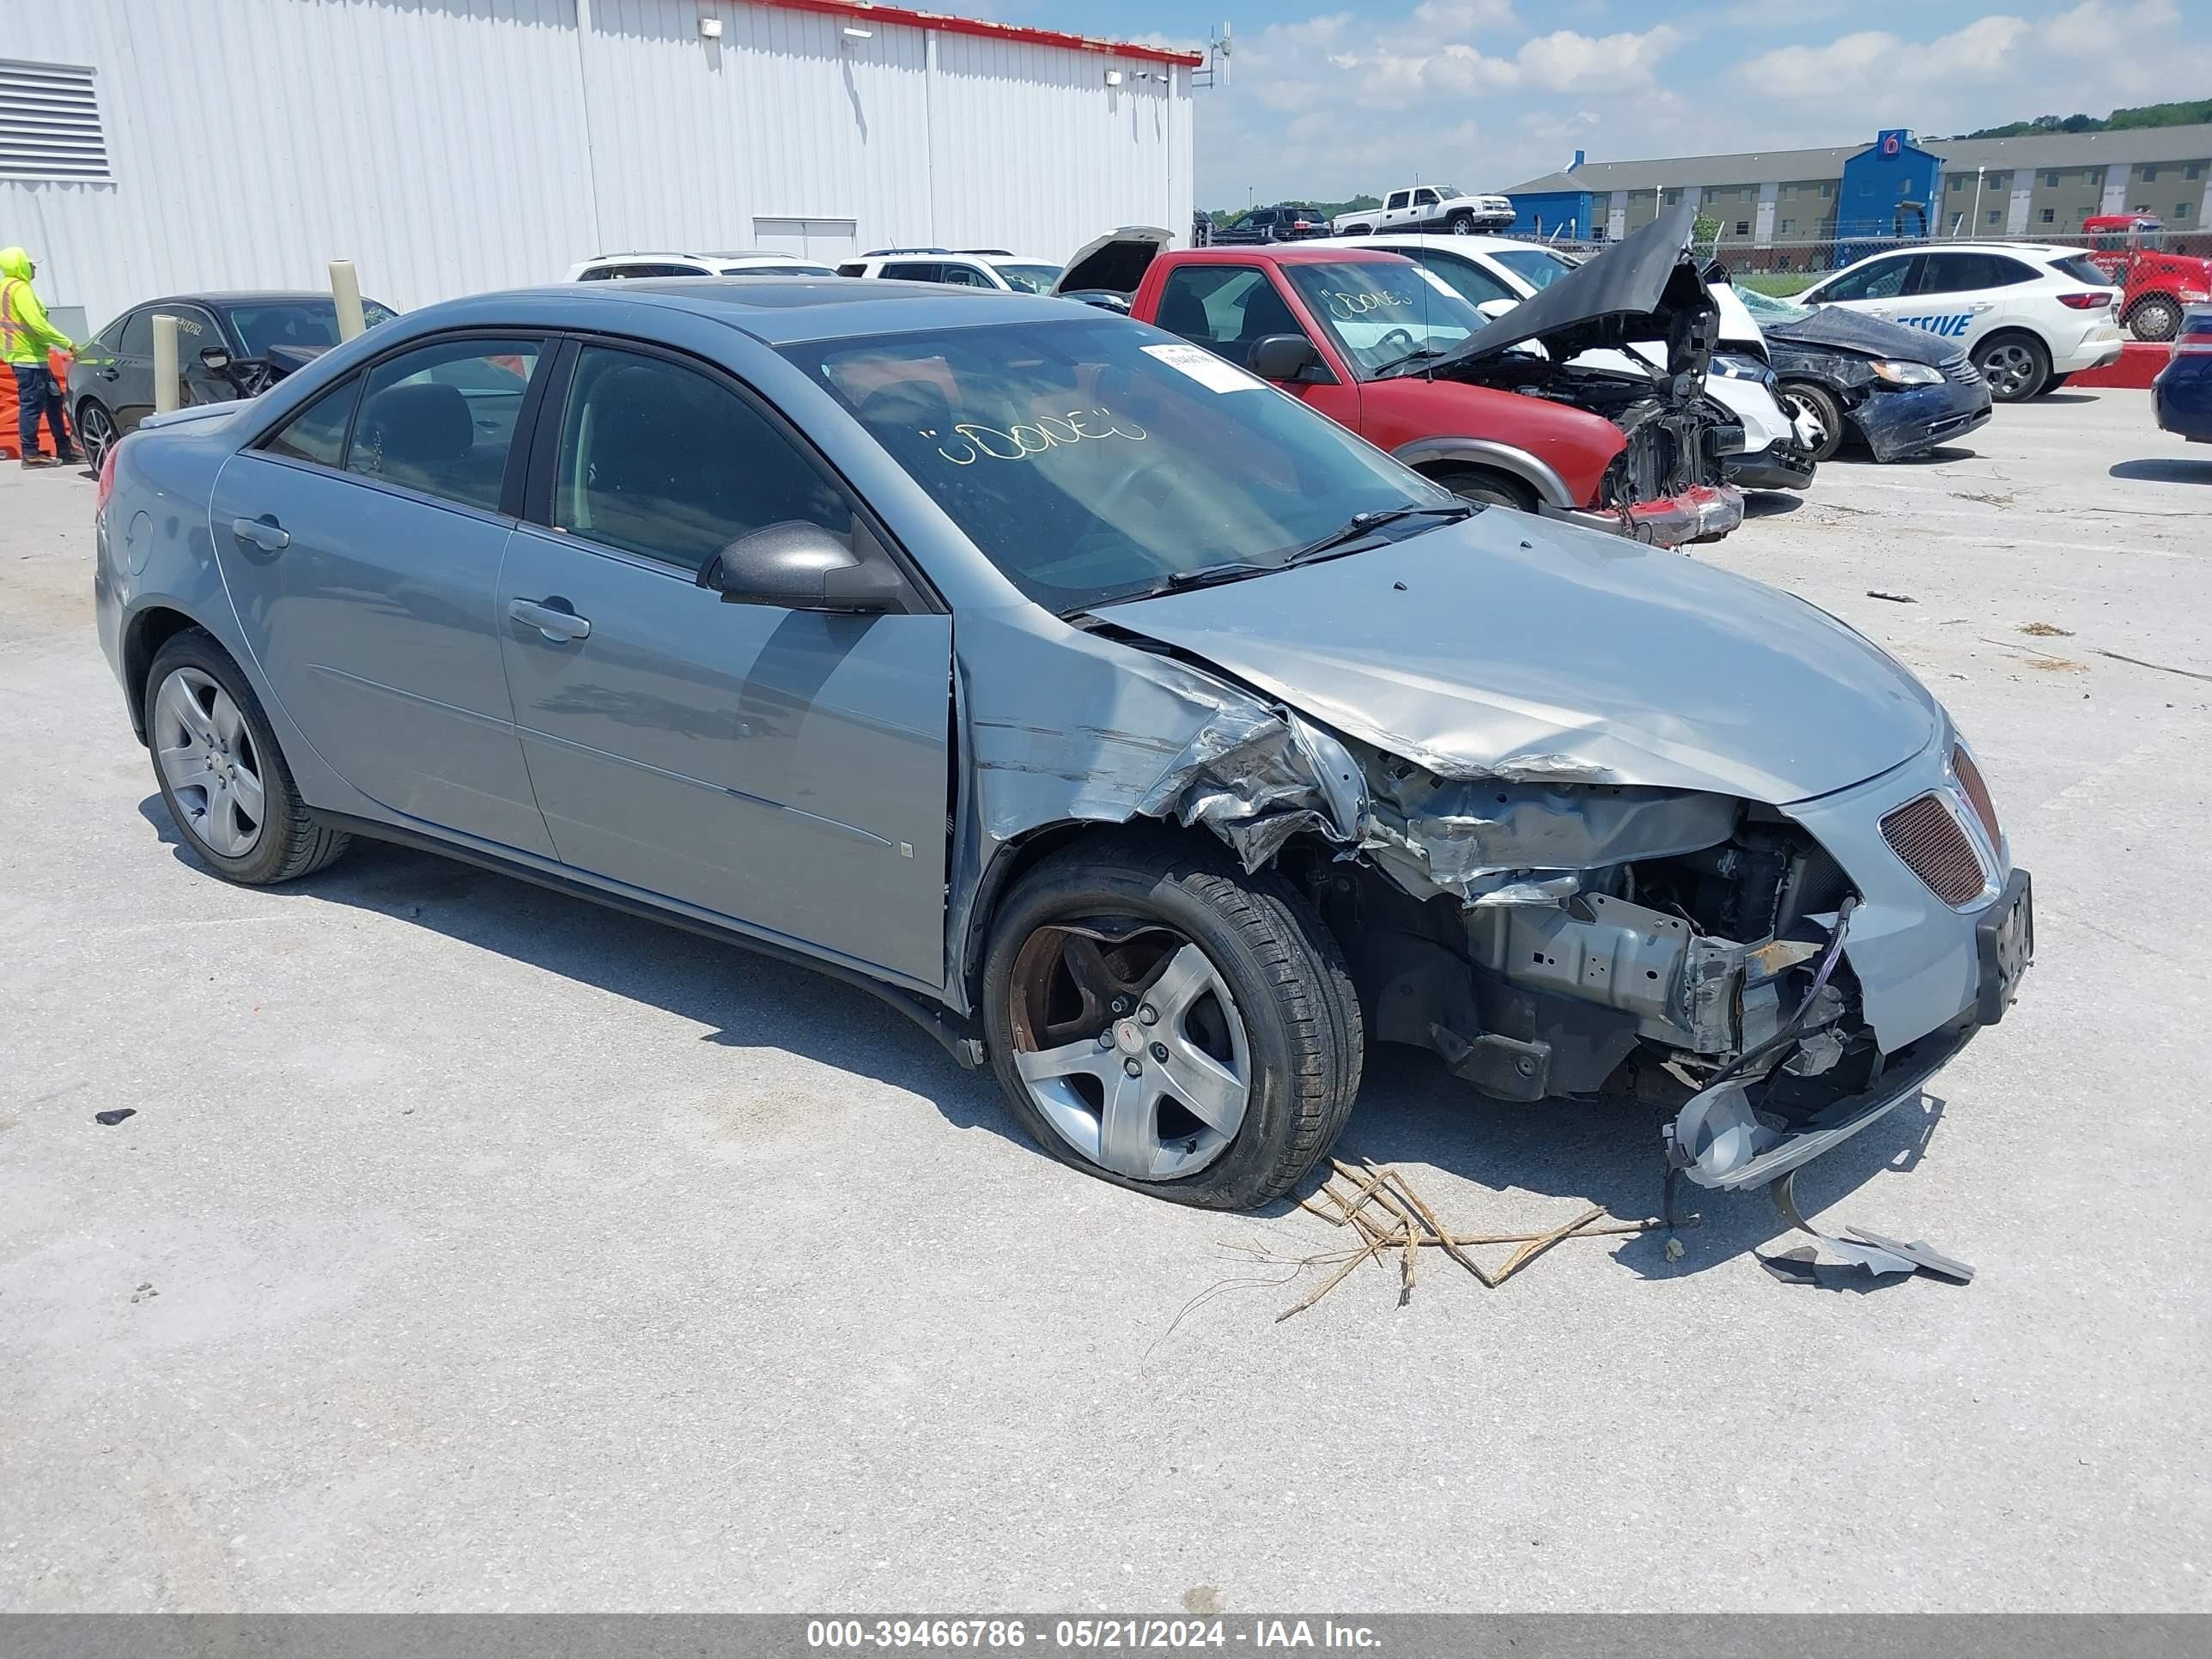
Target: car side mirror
point(800, 566)
point(1493, 309)
point(214, 359)
point(1717, 273)
point(1284, 357)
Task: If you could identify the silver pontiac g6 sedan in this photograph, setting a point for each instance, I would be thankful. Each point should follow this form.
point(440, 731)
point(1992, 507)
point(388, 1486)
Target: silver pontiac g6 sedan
point(1151, 738)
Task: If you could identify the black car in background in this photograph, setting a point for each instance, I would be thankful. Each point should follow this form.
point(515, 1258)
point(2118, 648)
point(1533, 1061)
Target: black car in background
point(1287, 222)
point(1900, 392)
point(228, 345)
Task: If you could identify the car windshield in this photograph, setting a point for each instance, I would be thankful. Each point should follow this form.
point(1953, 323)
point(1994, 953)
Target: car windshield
point(1027, 276)
point(1095, 459)
point(1448, 192)
point(1383, 313)
point(1538, 267)
point(1766, 308)
point(307, 324)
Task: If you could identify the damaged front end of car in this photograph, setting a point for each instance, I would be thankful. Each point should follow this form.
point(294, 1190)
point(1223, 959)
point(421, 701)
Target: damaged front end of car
point(1778, 941)
point(1574, 343)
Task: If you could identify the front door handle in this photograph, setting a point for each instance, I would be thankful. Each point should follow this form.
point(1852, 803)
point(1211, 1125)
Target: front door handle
point(264, 533)
point(551, 617)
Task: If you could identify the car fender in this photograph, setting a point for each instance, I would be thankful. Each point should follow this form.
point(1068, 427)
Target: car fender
point(1538, 474)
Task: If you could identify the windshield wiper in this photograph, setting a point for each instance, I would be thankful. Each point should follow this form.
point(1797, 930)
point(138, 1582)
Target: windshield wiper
point(1360, 525)
point(1356, 528)
point(1419, 354)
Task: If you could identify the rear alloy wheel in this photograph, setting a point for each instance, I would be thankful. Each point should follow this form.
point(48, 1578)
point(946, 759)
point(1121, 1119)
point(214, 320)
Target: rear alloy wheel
point(1817, 401)
point(2155, 318)
point(1165, 1022)
point(2015, 365)
point(95, 431)
point(220, 773)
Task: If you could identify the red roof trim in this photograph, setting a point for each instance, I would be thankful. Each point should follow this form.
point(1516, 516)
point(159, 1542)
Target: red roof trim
point(859, 11)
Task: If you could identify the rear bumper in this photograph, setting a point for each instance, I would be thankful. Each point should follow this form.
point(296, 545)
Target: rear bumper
point(2096, 348)
point(1897, 424)
point(1777, 466)
point(1701, 513)
point(2184, 400)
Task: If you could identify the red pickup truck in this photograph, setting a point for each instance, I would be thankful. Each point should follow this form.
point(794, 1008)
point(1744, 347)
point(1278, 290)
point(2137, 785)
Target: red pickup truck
point(2155, 286)
point(1363, 336)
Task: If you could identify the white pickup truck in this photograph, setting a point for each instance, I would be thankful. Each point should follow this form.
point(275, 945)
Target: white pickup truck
point(1427, 207)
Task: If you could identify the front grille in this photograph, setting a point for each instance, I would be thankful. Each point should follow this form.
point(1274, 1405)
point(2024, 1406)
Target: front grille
point(1928, 838)
point(1961, 370)
point(1978, 792)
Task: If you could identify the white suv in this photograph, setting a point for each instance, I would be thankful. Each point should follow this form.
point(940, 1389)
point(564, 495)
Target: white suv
point(968, 267)
point(2028, 315)
point(745, 261)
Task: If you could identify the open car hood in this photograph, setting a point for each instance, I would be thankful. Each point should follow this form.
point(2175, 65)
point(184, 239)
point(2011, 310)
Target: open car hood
point(1115, 263)
point(1510, 647)
point(1644, 286)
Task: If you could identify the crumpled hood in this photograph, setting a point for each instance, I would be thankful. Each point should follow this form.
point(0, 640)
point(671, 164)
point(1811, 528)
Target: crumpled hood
point(14, 262)
point(1510, 647)
point(1834, 328)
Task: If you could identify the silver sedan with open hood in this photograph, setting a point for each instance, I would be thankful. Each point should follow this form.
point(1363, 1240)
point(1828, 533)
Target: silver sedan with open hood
point(1148, 738)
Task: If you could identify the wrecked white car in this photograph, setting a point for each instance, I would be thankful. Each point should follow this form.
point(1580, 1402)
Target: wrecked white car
point(1148, 736)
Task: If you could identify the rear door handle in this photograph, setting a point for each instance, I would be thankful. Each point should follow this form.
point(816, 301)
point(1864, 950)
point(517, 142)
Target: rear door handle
point(550, 617)
point(264, 533)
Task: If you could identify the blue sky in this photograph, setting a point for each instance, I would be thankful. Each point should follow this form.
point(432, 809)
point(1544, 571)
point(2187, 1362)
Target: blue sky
point(1327, 101)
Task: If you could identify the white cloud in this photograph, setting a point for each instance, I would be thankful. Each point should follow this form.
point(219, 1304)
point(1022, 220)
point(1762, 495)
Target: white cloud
point(1873, 60)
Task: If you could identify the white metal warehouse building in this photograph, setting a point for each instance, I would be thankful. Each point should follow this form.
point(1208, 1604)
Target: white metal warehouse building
point(150, 147)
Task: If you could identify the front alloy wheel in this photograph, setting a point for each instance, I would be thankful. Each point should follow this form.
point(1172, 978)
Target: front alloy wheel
point(1164, 1021)
point(1134, 1052)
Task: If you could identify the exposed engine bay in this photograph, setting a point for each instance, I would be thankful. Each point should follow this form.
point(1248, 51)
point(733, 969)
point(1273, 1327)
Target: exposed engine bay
point(1583, 939)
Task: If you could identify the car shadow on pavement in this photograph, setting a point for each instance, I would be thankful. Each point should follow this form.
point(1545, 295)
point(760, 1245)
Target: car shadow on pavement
point(1941, 455)
point(1771, 503)
point(2164, 468)
point(2046, 398)
point(1411, 1111)
point(745, 999)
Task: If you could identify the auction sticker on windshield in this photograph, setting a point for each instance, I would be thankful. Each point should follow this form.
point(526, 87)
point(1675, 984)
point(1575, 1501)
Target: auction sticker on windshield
point(1203, 366)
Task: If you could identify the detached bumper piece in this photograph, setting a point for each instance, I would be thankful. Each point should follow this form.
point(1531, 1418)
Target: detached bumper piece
point(1777, 466)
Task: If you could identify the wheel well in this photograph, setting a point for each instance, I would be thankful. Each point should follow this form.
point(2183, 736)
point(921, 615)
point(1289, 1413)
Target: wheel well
point(150, 630)
point(1511, 484)
point(2028, 334)
point(1018, 857)
point(2141, 300)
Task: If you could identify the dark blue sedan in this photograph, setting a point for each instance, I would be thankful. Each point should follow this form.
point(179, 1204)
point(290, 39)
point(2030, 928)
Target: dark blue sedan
point(2182, 391)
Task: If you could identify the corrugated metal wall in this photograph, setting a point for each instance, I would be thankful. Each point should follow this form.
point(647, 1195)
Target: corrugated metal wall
point(450, 146)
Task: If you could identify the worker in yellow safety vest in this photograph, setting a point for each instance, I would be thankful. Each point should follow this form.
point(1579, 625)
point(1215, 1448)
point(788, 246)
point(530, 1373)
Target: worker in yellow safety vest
point(25, 338)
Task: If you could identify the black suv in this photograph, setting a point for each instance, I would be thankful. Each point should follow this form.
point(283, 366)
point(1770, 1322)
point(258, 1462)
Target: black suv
point(1275, 224)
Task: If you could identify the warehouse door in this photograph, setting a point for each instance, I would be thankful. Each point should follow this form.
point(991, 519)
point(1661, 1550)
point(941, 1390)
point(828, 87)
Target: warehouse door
point(826, 239)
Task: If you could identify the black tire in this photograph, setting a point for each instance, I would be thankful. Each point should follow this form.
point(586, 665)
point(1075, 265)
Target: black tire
point(1358, 230)
point(2013, 345)
point(290, 843)
point(2154, 318)
point(93, 417)
point(2053, 384)
point(1485, 485)
point(1301, 1014)
point(1822, 404)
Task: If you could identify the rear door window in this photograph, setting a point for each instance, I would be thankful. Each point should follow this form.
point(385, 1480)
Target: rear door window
point(441, 418)
point(138, 334)
point(915, 270)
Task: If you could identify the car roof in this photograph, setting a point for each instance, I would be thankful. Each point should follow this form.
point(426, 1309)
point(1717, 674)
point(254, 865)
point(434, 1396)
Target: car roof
point(780, 310)
point(239, 297)
point(2038, 250)
point(732, 253)
point(1477, 243)
point(1320, 250)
